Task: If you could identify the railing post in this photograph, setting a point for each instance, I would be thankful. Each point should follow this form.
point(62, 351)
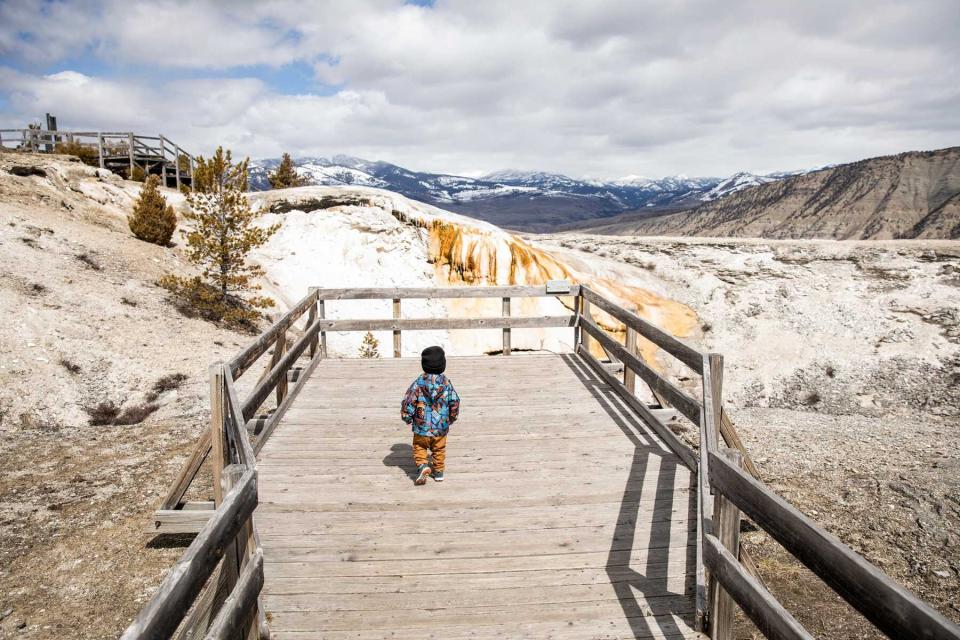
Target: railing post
point(629, 377)
point(278, 350)
point(163, 159)
point(710, 416)
point(713, 397)
point(726, 518)
point(321, 313)
point(218, 441)
point(396, 333)
point(587, 313)
point(176, 164)
point(311, 318)
point(100, 148)
point(130, 154)
point(506, 330)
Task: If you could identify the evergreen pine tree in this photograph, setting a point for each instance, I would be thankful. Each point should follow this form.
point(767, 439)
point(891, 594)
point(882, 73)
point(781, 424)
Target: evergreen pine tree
point(223, 234)
point(285, 175)
point(152, 219)
point(370, 346)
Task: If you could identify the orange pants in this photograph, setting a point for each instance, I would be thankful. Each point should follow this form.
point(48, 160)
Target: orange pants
point(424, 445)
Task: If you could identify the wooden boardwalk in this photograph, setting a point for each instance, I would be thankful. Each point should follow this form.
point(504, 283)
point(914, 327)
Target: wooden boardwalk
point(562, 515)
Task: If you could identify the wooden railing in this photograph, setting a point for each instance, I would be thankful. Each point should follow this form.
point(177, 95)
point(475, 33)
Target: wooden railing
point(115, 150)
point(226, 556)
point(725, 574)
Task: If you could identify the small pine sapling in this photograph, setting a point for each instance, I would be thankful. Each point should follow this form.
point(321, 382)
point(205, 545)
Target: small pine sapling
point(370, 347)
point(285, 175)
point(152, 220)
point(224, 233)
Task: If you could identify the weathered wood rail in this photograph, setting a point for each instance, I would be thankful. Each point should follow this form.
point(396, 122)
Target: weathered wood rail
point(117, 151)
point(226, 553)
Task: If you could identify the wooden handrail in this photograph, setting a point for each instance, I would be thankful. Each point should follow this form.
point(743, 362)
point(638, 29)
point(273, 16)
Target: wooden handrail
point(675, 347)
point(761, 607)
point(894, 610)
point(239, 607)
point(684, 403)
point(269, 382)
point(388, 293)
point(447, 324)
point(249, 354)
point(160, 617)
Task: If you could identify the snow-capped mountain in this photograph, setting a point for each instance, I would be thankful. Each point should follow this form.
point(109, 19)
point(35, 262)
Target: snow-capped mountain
point(743, 180)
point(523, 200)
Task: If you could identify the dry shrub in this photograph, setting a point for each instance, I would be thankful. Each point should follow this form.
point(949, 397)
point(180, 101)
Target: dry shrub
point(196, 299)
point(107, 413)
point(152, 220)
point(135, 414)
point(69, 365)
point(87, 154)
point(90, 261)
point(169, 382)
point(103, 413)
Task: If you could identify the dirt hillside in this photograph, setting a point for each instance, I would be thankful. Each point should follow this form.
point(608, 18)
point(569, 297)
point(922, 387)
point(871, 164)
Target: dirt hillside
point(85, 324)
point(910, 195)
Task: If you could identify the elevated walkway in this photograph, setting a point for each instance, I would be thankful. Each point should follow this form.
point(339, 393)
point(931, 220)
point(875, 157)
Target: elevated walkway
point(561, 516)
point(571, 509)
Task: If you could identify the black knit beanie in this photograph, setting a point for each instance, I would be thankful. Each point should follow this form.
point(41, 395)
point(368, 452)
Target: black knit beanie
point(433, 360)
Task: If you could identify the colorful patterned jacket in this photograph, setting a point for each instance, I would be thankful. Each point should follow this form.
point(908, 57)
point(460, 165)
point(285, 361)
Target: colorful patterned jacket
point(430, 405)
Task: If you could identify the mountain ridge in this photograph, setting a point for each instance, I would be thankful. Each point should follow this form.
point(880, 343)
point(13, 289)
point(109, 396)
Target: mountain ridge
point(915, 194)
point(512, 198)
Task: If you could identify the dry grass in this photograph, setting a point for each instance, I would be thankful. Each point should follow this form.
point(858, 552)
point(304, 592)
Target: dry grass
point(107, 413)
point(90, 261)
point(70, 366)
point(170, 382)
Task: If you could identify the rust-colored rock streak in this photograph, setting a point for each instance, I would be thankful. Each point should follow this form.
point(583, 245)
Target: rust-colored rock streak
point(474, 256)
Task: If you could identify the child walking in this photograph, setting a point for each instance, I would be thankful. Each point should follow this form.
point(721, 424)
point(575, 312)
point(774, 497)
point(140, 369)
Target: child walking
point(430, 406)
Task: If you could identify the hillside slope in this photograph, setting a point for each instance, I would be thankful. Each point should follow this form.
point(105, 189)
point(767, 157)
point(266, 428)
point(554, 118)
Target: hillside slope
point(85, 324)
point(910, 195)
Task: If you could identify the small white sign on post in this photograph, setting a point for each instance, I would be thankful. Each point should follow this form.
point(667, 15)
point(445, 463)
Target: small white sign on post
point(558, 286)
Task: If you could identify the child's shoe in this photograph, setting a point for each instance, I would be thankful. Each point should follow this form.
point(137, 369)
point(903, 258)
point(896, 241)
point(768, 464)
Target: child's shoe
point(423, 471)
point(438, 476)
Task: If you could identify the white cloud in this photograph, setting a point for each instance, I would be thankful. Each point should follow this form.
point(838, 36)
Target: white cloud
point(601, 88)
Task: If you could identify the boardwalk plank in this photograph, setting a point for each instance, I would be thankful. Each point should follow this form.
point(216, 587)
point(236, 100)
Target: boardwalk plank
point(563, 515)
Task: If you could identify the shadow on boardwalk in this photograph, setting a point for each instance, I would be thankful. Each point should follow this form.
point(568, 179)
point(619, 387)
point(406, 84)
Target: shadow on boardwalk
point(401, 457)
point(654, 617)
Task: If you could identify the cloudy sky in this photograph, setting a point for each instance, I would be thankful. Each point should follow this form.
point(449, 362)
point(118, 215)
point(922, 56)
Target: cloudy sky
point(586, 88)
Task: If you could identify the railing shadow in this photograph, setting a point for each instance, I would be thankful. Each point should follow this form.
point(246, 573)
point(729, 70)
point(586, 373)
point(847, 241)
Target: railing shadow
point(655, 616)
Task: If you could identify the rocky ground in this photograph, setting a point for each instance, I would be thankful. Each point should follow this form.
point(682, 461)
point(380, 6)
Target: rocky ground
point(842, 372)
point(84, 324)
